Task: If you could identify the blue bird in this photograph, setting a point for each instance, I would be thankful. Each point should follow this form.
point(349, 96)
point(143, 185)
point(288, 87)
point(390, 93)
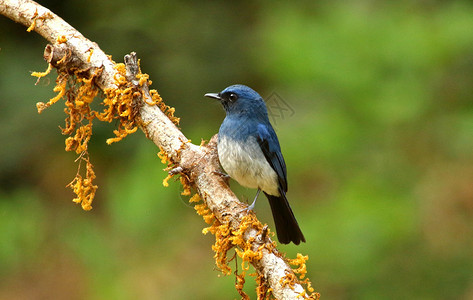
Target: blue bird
point(249, 151)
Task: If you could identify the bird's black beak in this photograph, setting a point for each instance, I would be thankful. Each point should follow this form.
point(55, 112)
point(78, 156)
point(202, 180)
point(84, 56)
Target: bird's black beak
point(213, 95)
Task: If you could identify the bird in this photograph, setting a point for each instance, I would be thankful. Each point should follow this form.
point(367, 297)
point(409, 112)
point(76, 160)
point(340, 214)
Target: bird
point(249, 152)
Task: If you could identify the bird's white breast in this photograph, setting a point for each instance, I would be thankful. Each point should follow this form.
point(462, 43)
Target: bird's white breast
point(245, 162)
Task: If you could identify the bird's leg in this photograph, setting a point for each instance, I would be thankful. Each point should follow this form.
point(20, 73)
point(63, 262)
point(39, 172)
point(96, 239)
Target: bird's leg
point(220, 173)
point(252, 205)
point(224, 176)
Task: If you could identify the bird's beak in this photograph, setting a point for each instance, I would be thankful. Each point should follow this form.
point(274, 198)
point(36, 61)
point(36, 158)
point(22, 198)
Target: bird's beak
point(213, 95)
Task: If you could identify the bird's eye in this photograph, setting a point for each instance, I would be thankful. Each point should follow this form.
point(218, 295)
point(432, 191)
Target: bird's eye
point(232, 97)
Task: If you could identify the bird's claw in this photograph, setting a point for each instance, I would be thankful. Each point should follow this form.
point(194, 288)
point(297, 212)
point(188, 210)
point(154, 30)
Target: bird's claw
point(224, 176)
point(249, 207)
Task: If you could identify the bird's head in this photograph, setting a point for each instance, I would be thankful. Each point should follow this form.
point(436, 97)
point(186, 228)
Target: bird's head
point(240, 99)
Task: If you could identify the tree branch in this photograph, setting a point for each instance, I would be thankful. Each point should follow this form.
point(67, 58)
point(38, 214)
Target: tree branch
point(198, 165)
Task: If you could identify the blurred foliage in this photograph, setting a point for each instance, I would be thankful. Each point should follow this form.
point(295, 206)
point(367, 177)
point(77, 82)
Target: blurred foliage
point(379, 149)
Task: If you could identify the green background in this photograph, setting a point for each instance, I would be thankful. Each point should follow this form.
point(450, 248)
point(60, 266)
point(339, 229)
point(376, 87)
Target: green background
point(377, 135)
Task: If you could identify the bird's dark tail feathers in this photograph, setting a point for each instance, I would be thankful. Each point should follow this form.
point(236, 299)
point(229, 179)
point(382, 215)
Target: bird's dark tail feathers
point(287, 228)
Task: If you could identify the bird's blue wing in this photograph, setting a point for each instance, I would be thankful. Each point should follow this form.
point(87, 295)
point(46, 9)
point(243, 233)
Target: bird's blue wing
point(269, 144)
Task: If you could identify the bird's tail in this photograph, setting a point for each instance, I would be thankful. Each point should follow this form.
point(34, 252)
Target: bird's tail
point(287, 228)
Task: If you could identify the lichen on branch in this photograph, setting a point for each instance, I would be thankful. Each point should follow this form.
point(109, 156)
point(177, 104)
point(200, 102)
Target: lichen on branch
point(228, 238)
point(79, 89)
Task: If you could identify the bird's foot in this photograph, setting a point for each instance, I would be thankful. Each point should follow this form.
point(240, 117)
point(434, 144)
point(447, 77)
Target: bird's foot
point(252, 205)
point(247, 209)
point(176, 170)
point(224, 176)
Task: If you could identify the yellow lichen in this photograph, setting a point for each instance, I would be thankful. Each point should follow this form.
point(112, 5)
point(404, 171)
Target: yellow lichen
point(163, 155)
point(42, 74)
point(227, 238)
point(60, 88)
point(248, 256)
point(262, 289)
point(79, 142)
point(33, 23)
point(91, 51)
point(143, 78)
point(195, 198)
point(37, 17)
point(301, 270)
point(208, 216)
point(61, 39)
point(289, 280)
point(169, 111)
point(120, 134)
point(300, 262)
point(165, 181)
point(83, 187)
point(78, 88)
point(221, 247)
point(120, 103)
point(239, 284)
point(186, 185)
